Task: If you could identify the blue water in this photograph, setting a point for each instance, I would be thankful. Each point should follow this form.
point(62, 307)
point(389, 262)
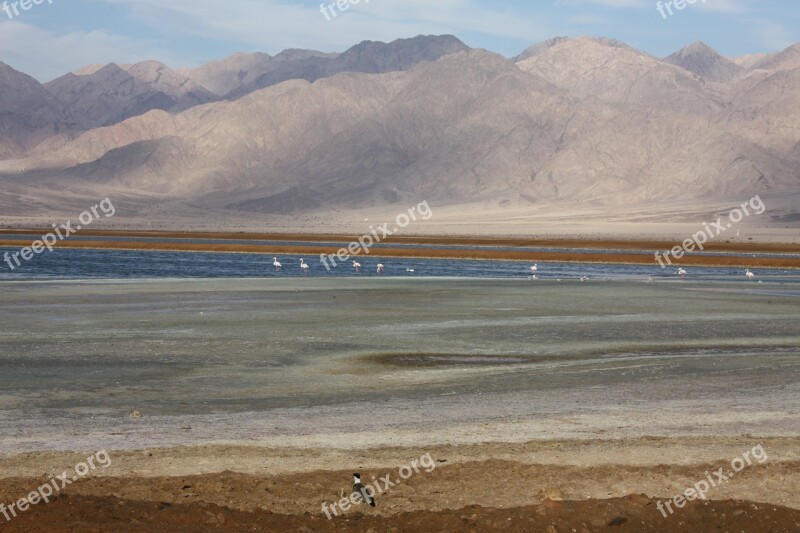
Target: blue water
point(115, 264)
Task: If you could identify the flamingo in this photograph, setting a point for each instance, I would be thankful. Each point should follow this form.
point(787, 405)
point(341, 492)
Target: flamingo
point(535, 268)
point(357, 266)
point(681, 272)
point(276, 263)
point(749, 274)
point(304, 266)
point(381, 268)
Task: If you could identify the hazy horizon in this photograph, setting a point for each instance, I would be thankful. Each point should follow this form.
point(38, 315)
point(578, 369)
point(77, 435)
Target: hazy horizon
point(509, 56)
point(185, 34)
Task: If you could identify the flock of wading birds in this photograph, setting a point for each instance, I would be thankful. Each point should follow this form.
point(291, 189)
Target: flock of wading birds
point(381, 268)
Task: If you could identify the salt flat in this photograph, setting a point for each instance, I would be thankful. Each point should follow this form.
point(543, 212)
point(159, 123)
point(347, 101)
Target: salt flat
point(312, 362)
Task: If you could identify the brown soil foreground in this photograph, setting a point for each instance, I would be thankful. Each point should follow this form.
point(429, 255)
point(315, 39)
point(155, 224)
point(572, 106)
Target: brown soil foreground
point(553, 486)
point(634, 514)
point(566, 257)
point(570, 486)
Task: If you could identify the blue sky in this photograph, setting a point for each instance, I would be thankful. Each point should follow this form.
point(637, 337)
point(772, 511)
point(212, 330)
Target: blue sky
point(61, 35)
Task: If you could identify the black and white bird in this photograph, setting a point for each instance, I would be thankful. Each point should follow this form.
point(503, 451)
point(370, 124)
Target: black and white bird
point(362, 491)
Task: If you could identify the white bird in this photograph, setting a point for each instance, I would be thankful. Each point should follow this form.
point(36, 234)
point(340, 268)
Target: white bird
point(357, 266)
point(276, 263)
point(409, 270)
point(380, 268)
point(535, 268)
point(304, 266)
point(749, 274)
point(584, 278)
point(681, 272)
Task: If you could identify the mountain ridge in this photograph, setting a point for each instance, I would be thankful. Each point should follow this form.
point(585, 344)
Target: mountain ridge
point(576, 120)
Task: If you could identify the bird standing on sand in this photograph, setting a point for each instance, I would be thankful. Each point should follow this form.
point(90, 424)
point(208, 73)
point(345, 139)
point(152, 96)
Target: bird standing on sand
point(362, 491)
point(381, 268)
point(276, 263)
point(535, 268)
point(749, 274)
point(304, 266)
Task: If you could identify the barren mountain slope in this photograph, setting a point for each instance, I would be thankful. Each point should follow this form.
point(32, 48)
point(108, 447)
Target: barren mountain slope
point(113, 94)
point(583, 122)
point(179, 87)
point(469, 127)
point(28, 113)
point(367, 56)
point(226, 75)
point(704, 61)
point(606, 70)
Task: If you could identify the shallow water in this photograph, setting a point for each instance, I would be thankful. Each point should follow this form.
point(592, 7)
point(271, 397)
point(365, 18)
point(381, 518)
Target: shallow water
point(227, 347)
point(115, 264)
point(224, 346)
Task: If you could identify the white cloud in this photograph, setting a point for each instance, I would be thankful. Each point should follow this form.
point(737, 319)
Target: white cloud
point(272, 25)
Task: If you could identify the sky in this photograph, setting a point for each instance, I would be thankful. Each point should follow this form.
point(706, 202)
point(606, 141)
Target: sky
point(58, 36)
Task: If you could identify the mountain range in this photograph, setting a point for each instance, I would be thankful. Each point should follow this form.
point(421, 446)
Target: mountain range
point(568, 120)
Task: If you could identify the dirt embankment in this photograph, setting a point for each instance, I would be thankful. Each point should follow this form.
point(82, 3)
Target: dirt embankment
point(109, 243)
